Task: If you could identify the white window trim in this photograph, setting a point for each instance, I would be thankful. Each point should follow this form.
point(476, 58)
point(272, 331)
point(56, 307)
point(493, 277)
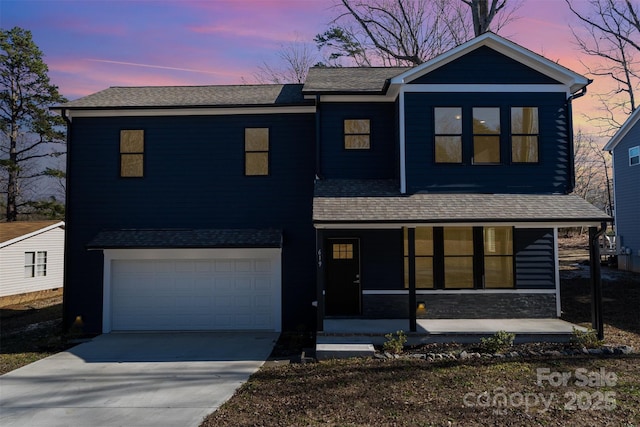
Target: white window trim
point(637, 148)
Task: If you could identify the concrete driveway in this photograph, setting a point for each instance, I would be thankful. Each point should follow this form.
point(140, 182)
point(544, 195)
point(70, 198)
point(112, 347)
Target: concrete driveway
point(133, 379)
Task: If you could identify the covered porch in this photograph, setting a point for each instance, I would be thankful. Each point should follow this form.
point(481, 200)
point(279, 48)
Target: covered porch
point(369, 219)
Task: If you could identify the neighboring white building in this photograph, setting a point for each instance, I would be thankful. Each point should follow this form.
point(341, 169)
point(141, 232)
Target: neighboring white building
point(31, 256)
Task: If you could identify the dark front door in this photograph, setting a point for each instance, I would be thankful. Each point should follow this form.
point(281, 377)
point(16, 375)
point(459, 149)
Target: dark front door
point(342, 275)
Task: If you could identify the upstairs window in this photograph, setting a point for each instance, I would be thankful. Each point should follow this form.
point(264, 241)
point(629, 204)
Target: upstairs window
point(357, 134)
point(256, 151)
point(448, 134)
point(35, 264)
point(132, 153)
point(486, 135)
point(524, 135)
point(634, 156)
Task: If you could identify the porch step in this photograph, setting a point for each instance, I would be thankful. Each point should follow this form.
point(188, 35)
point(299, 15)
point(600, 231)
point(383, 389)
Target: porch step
point(328, 347)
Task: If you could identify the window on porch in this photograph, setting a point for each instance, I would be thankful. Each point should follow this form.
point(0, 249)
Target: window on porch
point(423, 258)
point(461, 257)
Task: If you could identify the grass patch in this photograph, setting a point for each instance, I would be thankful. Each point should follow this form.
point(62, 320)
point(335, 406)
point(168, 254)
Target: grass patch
point(29, 332)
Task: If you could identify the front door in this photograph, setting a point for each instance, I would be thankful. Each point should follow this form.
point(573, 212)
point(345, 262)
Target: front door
point(342, 292)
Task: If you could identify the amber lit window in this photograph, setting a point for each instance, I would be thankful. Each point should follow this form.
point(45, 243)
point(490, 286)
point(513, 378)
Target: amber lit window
point(458, 257)
point(524, 135)
point(486, 135)
point(256, 151)
point(131, 153)
point(423, 257)
point(357, 134)
point(342, 251)
point(498, 257)
point(448, 134)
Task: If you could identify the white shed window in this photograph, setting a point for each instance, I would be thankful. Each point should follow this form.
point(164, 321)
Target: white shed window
point(634, 155)
point(35, 264)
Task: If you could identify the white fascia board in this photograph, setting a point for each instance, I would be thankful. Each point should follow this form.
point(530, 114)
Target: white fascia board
point(33, 233)
point(399, 225)
point(390, 96)
point(163, 112)
point(466, 88)
point(571, 79)
point(622, 132)
point(191, 253)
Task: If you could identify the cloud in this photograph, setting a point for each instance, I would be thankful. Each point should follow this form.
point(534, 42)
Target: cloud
point(161, 67)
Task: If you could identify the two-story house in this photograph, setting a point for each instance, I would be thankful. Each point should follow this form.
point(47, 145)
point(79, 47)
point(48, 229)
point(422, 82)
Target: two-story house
point(434, 191)
point(624, 146)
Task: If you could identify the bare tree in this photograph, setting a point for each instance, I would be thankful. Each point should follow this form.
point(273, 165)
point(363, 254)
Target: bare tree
point(406, 32)
point(611, 34)
point(592, 172)
point(483, 14)
point(294, 60)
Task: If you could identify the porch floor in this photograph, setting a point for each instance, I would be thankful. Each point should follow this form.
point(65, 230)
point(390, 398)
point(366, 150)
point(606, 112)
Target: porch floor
point(444, 330)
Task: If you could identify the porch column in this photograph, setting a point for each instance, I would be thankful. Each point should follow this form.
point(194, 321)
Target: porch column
point(319, 281)
point(596, 280)
point(411, 252)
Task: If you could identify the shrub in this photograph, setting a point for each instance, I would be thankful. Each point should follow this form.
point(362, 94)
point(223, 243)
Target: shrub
point(394, 344)
point(587, 339)
point(500, 341)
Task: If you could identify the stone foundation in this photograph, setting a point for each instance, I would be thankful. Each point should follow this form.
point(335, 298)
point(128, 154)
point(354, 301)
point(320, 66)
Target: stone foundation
point(462, 306)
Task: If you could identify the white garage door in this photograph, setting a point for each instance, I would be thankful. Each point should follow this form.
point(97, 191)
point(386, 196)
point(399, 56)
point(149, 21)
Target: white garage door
point(195, 294)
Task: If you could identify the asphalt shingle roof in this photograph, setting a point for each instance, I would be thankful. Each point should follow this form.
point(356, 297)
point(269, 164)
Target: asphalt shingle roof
point(191, 96)
point(352, 79)
point(12, 230)
point(359, 201)
point(186, 238)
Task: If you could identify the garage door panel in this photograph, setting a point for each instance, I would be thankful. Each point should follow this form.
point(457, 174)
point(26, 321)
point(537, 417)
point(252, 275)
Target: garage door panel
point(214, 294)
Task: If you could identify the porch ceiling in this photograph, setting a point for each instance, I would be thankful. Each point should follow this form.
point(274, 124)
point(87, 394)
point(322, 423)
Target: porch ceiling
point(342, 202)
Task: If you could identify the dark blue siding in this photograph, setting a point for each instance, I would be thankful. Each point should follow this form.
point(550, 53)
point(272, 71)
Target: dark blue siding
point(194, 178)
point(377, 163)
point(484, 66)
point(627, 191)
point(381, 256)
point(552, 174)
point(534, 258)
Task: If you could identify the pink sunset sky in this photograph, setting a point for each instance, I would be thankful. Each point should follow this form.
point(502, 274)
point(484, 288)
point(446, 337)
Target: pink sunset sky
point(90, 45)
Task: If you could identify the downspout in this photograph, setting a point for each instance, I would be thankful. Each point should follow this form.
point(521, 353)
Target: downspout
point(596, 279)
point(66, 319)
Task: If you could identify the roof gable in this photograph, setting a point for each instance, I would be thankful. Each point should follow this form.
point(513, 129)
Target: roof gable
point(12, 232)
point(519, 54)
point(623, 131)
point(484, 65)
